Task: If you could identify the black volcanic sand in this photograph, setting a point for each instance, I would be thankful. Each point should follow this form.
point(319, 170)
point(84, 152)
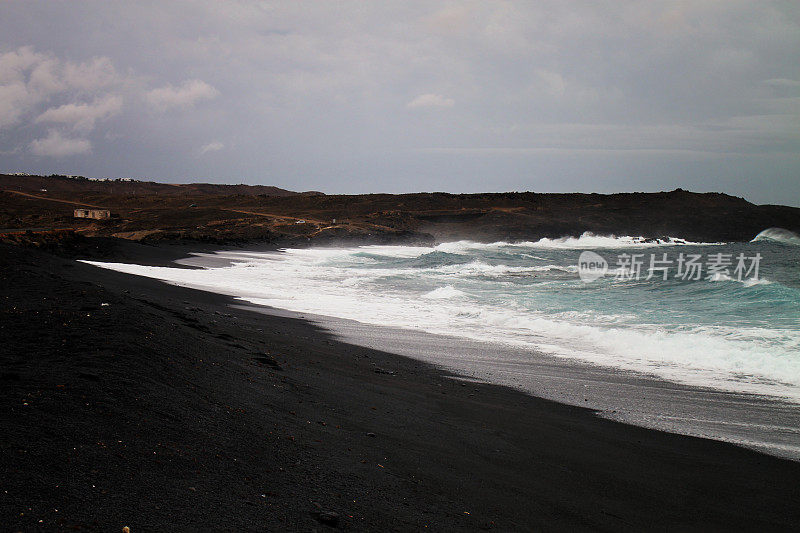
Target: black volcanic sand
point(166, 410)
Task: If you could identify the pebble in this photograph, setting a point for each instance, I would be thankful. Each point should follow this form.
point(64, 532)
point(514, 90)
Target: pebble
point(329, 518)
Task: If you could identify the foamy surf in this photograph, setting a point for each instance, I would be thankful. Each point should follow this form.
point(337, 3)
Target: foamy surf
point(443, 293)
point(736, 335)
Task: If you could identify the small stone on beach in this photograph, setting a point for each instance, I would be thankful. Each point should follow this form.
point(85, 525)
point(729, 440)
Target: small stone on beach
point(329, 518)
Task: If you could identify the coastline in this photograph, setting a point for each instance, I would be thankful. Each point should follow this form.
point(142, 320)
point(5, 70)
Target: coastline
point(170, 408)
point(764, 423)
point(760, 421)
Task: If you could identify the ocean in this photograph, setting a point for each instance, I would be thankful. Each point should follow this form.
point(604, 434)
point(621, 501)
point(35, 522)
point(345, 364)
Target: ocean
point(741, 335)
point(721, 316)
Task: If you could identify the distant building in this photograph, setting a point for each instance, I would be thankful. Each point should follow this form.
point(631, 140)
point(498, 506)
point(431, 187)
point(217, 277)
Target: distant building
point(99, 214)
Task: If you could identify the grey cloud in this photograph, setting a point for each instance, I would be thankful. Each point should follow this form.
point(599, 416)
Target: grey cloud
point(56, 145)
point(333, 96)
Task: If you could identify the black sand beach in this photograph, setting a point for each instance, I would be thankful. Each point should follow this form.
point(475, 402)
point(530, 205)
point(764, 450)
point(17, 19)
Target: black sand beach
point(169, 410)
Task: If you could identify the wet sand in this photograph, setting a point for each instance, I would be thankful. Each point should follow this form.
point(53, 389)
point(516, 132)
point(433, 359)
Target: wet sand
point(172, 409)
point(767, 424)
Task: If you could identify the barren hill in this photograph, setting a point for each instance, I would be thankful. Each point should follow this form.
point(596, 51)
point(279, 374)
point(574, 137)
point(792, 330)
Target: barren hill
point(69, 186)
point(152, 211)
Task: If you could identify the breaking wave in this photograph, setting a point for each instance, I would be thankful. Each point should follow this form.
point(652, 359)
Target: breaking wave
point(779, 235)
point(738, 335)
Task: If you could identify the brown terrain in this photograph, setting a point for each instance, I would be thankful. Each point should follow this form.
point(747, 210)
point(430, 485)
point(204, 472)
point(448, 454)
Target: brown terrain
point(153, 212)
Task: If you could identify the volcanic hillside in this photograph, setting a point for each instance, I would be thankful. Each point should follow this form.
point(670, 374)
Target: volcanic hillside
point(152, 211)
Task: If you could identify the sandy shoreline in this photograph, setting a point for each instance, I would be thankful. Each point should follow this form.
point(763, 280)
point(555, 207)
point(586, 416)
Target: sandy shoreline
point(171, 409)
point(767, 424)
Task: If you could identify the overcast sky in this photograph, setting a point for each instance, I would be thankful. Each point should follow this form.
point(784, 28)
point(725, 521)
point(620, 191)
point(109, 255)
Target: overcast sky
point(348, 97)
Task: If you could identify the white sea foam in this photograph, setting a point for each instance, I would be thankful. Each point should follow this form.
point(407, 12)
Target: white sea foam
point(351, 283)
point(752, 282)
point(443, 293)
point(747, 282)
point(587, 240)
point(485, 269)
point(720, 276)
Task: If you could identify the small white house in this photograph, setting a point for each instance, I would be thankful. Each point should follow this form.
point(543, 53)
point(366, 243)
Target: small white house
point(99, 214)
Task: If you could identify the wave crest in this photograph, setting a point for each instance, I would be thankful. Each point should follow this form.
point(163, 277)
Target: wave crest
point(781, 235)
point(586, 240)
point(443, 293)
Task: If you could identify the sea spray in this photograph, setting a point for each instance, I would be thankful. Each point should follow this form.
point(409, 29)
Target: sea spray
point(739, 335)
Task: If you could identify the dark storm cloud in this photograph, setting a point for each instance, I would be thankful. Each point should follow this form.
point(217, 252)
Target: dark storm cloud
point(457, 96)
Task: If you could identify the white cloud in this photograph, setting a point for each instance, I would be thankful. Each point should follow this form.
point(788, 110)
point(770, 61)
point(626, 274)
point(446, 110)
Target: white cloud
point(56, 145)
point(17, 96)
point(430, 100)
point(94, 74)
point(29, 79)
point(212, 147)
point(45, 74)
point(82, 117)
point(187, 95)
point(14, 99)
point(45, 78)
point(14, 64)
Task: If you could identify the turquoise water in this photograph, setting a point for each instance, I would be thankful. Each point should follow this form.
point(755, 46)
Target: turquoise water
point(739, 335)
